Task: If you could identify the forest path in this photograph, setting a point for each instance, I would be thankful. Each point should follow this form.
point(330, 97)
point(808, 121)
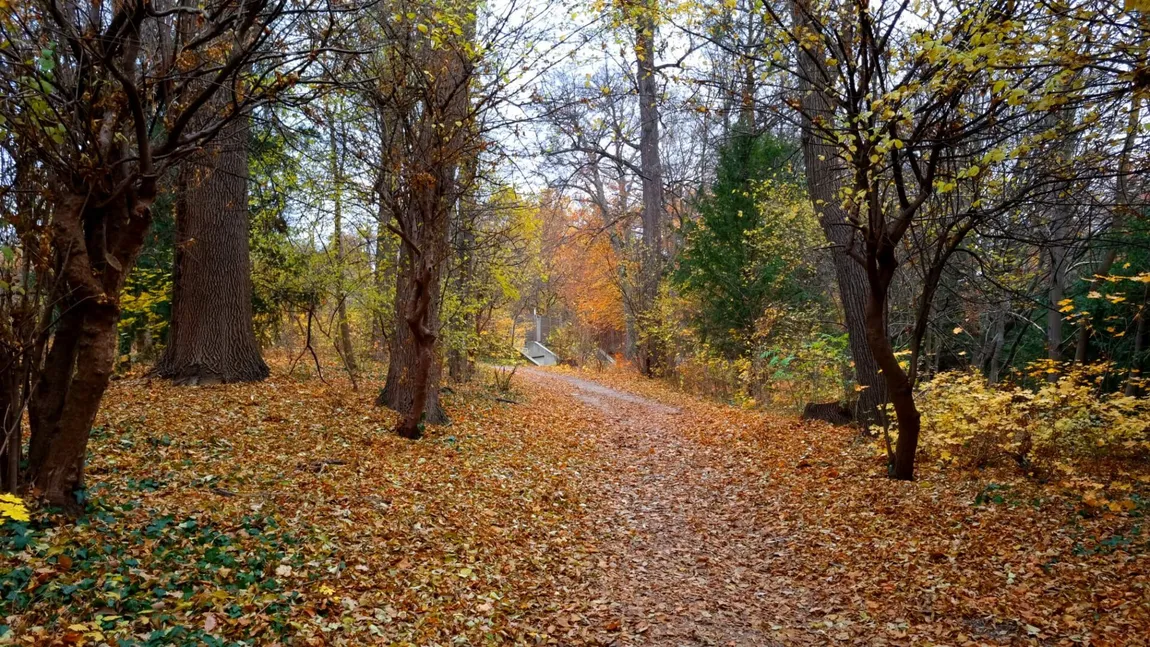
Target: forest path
point(686, 560)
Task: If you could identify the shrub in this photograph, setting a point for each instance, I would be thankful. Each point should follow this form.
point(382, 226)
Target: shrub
point(785, 372)
point(1041, 427)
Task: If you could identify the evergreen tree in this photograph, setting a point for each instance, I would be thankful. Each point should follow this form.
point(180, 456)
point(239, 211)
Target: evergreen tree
point(727, 266)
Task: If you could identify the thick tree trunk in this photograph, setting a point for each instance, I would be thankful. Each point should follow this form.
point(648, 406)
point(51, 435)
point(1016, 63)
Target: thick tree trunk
point(211, 339)
point(80, 360)
point(423, 346)
point(436, 141)
point(652, 355)
point(57, 455)
point(824, 179)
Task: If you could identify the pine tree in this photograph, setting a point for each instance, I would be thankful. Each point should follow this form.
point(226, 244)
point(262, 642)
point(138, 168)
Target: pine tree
point(723, 266)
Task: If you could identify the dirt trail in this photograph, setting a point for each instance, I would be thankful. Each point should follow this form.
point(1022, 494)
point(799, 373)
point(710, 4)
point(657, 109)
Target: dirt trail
point(687, 563)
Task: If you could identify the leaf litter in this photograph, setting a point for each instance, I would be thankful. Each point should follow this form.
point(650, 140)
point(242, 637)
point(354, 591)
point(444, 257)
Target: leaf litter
point(603, 510)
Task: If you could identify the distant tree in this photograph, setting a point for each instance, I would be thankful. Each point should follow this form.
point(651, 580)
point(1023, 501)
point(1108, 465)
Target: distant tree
point(642, 16)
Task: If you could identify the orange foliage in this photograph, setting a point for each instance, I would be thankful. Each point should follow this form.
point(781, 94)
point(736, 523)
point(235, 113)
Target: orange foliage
point(590, 287)
point(580, 267)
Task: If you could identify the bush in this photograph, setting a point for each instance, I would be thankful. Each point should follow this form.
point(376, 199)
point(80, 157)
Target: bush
point(1043, 427)
point(785, 372)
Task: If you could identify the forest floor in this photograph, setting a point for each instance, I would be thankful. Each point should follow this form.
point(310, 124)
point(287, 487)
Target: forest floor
point(593, 509)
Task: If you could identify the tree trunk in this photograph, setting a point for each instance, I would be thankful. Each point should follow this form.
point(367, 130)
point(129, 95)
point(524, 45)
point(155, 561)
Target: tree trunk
point(1138, 360)
point(412, 366)
point(211, 339)
point(1061, 232)
point(1055, 293)
point(991, 357)
point(384, 259)
point(435, 142)
point(881, 265)
point(1123, 209)
point(423, 343)
point(824, 179)
point(80, 360)
point(11, 412)
point(57, 455)
point(346, 351)
point(652, 355)
point(460, 362)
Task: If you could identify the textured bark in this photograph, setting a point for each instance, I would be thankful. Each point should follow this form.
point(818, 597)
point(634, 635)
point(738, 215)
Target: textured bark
point(406, 362)
point(91, 270)
point(436, 139)
point(424, 278)
point(57, 456)
point(825, 176)
point(211, 339)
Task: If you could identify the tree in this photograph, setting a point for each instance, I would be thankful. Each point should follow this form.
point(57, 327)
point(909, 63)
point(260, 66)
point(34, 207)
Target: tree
point(931, 130)
point(344, 346)
point(725, 265)
point(641, 17)
point(107, 101)
point(826, 176)
point(211, 339)
point(428, 66)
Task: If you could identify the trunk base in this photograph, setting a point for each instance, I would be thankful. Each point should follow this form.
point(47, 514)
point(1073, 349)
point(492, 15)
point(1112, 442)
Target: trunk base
point(433, 413)
point(201, 375)
point(832, 412)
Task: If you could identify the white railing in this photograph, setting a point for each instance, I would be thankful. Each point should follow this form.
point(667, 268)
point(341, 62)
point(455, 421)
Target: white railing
point(539, 354)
